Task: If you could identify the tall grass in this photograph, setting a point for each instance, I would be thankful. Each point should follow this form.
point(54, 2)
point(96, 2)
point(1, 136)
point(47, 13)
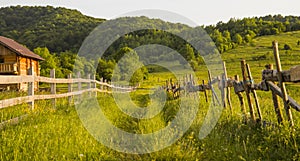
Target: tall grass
point(58, 134)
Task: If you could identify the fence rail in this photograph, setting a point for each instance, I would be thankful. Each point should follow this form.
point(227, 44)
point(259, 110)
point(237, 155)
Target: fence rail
point(187, 84)
point(247, 86)
point(30, 79)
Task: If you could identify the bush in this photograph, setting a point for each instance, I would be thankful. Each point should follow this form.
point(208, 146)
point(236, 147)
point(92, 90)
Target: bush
point(287, 47)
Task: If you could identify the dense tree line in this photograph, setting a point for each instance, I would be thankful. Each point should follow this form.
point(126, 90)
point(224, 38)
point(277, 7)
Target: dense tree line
point(57, 34)
point(59, 29)
point(238, 31)
point(64, 63)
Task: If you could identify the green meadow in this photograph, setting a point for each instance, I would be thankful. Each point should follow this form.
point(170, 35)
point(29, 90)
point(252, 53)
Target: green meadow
point(49, 133)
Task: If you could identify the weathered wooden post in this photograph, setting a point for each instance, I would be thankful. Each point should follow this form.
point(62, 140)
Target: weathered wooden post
point(222, 85)
point(89, 84)
point(94, 85)
point(222, 89)
point(247, 90)
point(282, 84)
point(226, 86)
point(192, 79)
point(79, 86)
point(70, 89)
point(101, 84)
point(276, 102)
point(53, 87)
point(105, 88)
point(184, 85)
point(254, 93)
point(277, 107)
point(211, 87)
point(31, 88)
point(242, 102)
point(205, 94)
point(166, 85)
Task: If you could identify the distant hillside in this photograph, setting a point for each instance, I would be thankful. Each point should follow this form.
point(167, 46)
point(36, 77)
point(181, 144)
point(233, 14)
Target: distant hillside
point(58, 29)
point(235, 32)
point(259, 52)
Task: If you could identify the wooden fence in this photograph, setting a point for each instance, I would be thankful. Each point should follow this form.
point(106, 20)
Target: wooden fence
point(249, 87)
point(91, 86)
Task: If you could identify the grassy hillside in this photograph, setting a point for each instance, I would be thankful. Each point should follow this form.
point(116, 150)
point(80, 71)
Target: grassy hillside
point(259, 52)
point(58, 134)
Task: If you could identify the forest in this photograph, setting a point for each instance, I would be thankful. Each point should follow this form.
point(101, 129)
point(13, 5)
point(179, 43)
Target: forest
point(57, 34)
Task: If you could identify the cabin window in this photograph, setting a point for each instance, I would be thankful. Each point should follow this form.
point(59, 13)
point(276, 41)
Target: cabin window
point(1, 60)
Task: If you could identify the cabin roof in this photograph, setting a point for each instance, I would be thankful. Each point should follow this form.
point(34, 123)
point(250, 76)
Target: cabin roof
point(18, 48)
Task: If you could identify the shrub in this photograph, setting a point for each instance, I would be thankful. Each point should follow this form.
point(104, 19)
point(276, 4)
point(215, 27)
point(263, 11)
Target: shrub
point(287, 47)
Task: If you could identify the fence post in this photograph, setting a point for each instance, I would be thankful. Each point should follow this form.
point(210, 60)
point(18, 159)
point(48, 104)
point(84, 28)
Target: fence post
point(53, 87)
point(105, 88)
point(167, 84)
point(282, 84)
point(254, 92)
point(70, 89)
point(31, 88)
point(242, 102)
point(275, 101)
point(222, 85)
point(192, 80)
point(94, 85)
point(89, 85)
point(277, 107)
point(246, 87)
point(205, 94)
point(226, 86)
point(79, 85)
point(101, 84)
point(211, 87)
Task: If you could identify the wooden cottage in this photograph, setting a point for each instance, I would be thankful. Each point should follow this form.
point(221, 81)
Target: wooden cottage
point(16, 59)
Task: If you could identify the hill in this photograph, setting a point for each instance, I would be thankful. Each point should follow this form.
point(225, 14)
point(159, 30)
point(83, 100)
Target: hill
point(58, 29)
point(235, 32)
point(259, 52)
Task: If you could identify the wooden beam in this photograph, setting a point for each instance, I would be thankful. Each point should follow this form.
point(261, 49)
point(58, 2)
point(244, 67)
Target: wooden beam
point(70, 98)
point(15, 79)
point(204, 90)
point(247, 90)
point(242, 102)
point(278, 92)
point(254, 92)
point(53, 87)
point(31, 87)
point(15, 101)
point(281, 83)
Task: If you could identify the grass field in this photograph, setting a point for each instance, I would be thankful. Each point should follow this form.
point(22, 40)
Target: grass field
point(58, 134)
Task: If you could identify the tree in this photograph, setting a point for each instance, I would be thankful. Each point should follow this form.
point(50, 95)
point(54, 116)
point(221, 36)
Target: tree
point(106, 69)
point(238, 39)
point(227, 35)
point(49, 63)
point(190, 55)
point(248, 38)
point(130, 68)
point(67, 61)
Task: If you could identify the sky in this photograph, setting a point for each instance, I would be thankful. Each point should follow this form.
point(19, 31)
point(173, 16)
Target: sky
point(199, 11)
